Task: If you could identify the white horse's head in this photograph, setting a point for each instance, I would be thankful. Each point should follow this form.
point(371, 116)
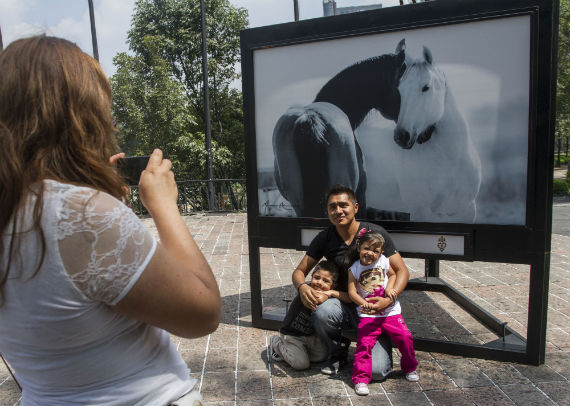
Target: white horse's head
point(422, 93)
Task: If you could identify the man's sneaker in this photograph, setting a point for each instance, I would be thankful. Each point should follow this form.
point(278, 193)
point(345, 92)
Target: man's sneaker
point(412, 376)
point(275, 356)
point(361, 389)
point(332, 367)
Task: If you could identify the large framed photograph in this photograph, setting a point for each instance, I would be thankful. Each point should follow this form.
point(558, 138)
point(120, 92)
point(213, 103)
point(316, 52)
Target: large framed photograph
point(444, 141)
point(438, 115)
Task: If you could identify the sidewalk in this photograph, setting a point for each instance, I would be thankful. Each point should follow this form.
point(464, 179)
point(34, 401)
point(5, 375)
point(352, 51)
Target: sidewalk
point(232, 364)
point(560, 173)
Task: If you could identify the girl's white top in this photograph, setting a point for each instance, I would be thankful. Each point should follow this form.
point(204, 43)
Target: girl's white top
point(382, 264)
point(57, 329)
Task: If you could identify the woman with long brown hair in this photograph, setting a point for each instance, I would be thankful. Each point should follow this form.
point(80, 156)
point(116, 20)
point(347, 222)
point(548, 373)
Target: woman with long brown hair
point(87, 295)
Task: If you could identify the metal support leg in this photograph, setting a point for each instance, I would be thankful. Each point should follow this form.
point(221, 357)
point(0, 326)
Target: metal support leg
point(432, 268)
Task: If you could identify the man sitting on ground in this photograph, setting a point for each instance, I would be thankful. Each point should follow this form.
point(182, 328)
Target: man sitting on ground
point(336, 314)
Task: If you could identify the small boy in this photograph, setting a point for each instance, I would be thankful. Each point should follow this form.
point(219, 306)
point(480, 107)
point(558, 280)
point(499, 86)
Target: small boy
point(297, 344)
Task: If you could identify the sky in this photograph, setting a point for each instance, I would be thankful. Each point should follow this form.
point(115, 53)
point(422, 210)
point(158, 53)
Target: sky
point(70, 19)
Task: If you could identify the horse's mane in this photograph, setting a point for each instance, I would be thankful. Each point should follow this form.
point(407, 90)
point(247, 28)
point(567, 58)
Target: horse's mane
point(419, 64)
point(365, 85)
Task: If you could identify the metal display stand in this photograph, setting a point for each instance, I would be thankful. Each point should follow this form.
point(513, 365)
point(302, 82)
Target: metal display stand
point(528, 243)
point(511, 346)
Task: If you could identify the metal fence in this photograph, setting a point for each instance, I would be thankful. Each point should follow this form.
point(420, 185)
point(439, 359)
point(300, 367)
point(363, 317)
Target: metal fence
point(560, 148)
point(229, 195)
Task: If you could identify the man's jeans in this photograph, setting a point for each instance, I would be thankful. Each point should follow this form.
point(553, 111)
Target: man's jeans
point(331, 317)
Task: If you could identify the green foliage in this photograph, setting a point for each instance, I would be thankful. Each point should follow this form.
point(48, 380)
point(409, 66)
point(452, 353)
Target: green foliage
point(564, 159)
point(563, 83)
point(158, 92)
point(178, 23)
point(560, 187)
point(148, 105)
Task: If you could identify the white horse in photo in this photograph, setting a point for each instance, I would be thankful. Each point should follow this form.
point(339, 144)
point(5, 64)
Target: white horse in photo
point(438, 171)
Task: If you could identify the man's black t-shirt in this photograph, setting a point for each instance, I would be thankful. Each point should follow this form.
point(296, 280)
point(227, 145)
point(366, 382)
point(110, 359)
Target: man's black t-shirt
point(330, 245)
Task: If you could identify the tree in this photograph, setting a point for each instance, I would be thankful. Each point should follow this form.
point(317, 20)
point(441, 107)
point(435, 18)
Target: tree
point(151, 110)
point(170, 31)
point(563, 83)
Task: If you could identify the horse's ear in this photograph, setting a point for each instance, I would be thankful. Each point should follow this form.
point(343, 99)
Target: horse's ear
point(401, 47)
point(400, 58)
point(427, 55)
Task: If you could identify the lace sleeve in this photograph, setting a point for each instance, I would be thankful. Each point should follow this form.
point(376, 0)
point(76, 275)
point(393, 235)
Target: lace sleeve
point(103, 245)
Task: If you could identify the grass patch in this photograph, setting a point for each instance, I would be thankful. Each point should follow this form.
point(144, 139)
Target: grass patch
point(559, 187)
point(564, 159)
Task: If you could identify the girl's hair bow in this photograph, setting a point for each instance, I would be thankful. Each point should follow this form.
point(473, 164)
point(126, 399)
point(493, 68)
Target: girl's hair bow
point(361, 233)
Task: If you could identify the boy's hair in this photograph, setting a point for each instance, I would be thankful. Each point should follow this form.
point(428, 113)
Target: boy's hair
point(341, 189)
point(363, 236)
point(328, 266)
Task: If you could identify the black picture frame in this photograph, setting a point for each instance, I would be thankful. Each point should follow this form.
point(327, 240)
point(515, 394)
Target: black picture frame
point(525, 240)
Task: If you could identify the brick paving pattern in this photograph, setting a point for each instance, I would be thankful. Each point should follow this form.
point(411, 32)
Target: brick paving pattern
point(232, 364)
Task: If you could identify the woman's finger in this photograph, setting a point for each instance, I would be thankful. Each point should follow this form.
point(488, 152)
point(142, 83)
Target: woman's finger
point(155, 159)
point(114, 158)
point(167, 164)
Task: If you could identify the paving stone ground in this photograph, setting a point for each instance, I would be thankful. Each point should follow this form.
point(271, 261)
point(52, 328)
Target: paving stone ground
point(232, 364)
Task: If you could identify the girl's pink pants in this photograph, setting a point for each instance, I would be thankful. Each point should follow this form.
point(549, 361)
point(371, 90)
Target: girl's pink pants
point(369, 328)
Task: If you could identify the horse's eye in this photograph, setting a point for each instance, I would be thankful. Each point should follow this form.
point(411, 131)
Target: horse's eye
point(425, 88)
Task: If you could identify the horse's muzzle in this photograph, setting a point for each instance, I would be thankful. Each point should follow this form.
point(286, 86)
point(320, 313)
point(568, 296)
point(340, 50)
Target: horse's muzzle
point(402, 138)
point(426, 134)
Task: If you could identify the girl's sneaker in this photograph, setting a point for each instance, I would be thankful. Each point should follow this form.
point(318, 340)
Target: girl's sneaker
point(361, 388)
point(412, 376)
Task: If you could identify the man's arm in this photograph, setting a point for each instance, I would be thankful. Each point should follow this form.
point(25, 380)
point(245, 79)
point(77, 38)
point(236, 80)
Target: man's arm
point(306, 293)
point(390, 291)
point(402, 273)
point(302, 270)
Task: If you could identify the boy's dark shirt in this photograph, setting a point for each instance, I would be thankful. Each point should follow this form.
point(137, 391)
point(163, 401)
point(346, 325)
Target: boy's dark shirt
point(297, 321)
point(330, 245)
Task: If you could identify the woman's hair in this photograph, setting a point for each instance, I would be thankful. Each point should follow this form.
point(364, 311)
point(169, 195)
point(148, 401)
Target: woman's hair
point(363, 236)
point(55, 123)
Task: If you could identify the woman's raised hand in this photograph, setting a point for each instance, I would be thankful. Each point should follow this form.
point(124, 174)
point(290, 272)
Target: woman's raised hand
point(157, 186)
point(177, 291)
point(115, 158)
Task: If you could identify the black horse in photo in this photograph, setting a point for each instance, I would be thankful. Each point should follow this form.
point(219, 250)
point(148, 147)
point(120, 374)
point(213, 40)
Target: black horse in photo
point(315, 145)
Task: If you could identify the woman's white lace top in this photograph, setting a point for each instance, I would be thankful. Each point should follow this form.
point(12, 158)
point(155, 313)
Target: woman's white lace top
point(57, 328)
point(116, 244)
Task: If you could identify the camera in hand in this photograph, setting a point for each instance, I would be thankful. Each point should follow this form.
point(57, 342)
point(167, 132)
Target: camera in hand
point(131, 167)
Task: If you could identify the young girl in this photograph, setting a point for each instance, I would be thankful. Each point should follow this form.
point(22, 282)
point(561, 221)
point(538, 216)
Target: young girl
point(370, 275)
